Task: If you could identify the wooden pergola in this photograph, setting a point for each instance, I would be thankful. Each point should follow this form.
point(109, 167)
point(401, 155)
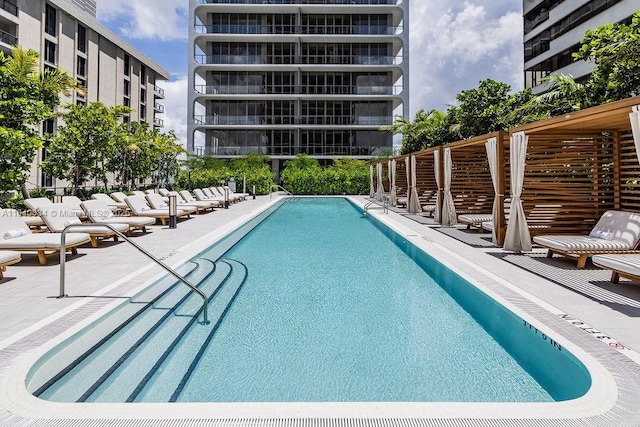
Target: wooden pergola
point(577, 166)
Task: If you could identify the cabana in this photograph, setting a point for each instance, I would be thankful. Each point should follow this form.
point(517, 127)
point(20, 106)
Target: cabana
point(574, 168)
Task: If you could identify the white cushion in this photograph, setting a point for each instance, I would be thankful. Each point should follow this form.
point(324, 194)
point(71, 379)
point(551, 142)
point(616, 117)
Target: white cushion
point(580, 243)
point(72, 222)
point(475, 219)
point(625, 263)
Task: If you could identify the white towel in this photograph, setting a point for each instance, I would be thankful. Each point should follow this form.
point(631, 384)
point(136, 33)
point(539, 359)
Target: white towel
point(12, 234)
point(601, 234)
point(145, 208)
point(163, 205)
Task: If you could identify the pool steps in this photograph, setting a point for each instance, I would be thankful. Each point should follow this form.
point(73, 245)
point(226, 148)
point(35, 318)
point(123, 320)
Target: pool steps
point(172, 316)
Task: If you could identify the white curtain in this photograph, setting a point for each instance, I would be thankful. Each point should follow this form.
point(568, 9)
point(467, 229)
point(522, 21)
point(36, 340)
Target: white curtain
point(517, 238)
point(492, 156)
point(372, 191)
point(407, 170)
point(393, 199)
point(380, 189)
point(449, 216)
point(414, 201)
point(634, 116)
point(436, 170)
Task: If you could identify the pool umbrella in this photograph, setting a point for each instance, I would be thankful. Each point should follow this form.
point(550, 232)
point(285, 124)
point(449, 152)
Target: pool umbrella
point(492, 156)
point(393, 199)
point(449, 216)
point(517, 238)
point(372, 192)
point(436, 170)
point(634, 116)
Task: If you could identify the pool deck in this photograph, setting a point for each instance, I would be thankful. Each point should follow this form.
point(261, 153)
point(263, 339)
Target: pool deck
point(582, 301)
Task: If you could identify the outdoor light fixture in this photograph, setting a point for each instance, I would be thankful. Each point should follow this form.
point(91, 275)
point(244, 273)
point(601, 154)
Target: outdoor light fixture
point(254, 192)
point(173, 210)
point(57, 198)
point(226, 197)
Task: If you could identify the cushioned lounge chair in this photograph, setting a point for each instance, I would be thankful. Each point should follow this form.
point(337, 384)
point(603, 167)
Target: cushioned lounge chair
point(156, 201)
point(109, 201)
point(138, 193)
point(74, 203)
point(202, 205)
point(99, 212)
point(15, 235)
point(57, 216)
point(615, 232)
point(621, 265)
point(139, 207)
point(8, 258)
point(201, 195)
point(220, 192)
point(482, 221)
point(33, 221)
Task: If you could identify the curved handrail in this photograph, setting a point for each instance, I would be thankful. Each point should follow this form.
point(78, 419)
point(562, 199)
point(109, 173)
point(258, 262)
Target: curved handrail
point(281, 188)
point(63, 257)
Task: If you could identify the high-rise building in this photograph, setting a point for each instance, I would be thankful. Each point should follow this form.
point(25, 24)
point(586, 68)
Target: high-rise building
point(68, 36)
point(553, 30)
point(283, 77)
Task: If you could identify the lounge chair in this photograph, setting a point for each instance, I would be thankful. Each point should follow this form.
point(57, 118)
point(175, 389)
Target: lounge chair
point(202, 205)
point(615, 232)
point(482, 221)
point(119, 196)
point(74, 203)
point(109, 201)
point(139, 207)
point(201, 196)
point(220, 192)
point(621, 265)
point(15, 235)
point(99, 212)
point(8, 258)
point(138, 193)
point(57, 216)
point(156, 201)
point(33, 221)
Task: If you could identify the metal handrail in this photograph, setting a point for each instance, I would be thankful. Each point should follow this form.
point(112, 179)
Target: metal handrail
point(281, 188)
point(63, 257)
point(385, 204)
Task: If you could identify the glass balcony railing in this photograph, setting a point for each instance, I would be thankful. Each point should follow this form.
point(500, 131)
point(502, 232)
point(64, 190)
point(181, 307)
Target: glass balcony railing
point(337, 151)
point(7, 38)
point(218, 120)
point(306, 90)
point(289, 60)
point(308, 29)
point(9, 7)
point(158, 122)
point(158, 107)
point(158, 90)
point(349, 2)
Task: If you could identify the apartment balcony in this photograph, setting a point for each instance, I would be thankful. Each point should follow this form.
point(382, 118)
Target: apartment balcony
point(9, 6)
point(7, 41)
point(288, 60)
point(291, 29)
point(331, 2)
point(158, 122)
point(289, 90)
point(289, 151)
point(158, 108)
point(217, 120)
point(158, 91)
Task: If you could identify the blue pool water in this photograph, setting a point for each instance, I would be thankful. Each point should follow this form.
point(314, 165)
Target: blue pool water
point(320, 303)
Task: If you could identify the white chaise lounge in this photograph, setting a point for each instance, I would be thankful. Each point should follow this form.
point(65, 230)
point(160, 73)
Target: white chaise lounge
point(621, 265)
point(8, 258)
point(615, 232)
point(15, 235)
point(100, 213)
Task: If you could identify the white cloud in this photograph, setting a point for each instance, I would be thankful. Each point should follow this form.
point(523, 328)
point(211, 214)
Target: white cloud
point(175, 107)
point(452, 49)
point(147, 19)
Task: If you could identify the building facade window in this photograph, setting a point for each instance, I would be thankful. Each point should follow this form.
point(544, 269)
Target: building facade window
point(50, 52)
point(82, 39)
point(127, 65)
point(81, 66)
point(50, 20)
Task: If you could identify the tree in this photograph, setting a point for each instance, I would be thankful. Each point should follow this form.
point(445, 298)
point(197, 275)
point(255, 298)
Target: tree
point(615, 49)
point(82, 146)
point(167, 150)
point(27, 98)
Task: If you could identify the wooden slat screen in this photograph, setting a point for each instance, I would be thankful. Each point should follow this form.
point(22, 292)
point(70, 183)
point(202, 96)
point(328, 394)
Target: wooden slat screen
point(471, 185)
point(568, 181)
point(401, 178)
point(425, 176)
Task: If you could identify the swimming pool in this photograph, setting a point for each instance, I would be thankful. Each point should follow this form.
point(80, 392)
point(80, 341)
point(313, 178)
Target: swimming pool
point(317, 303)
point(598, 399)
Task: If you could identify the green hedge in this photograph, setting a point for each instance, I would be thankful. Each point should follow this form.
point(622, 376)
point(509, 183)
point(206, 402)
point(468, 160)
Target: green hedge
point(304, 175)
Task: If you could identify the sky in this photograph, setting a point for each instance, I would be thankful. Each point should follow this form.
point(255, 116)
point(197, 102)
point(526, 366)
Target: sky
point(453, 45)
